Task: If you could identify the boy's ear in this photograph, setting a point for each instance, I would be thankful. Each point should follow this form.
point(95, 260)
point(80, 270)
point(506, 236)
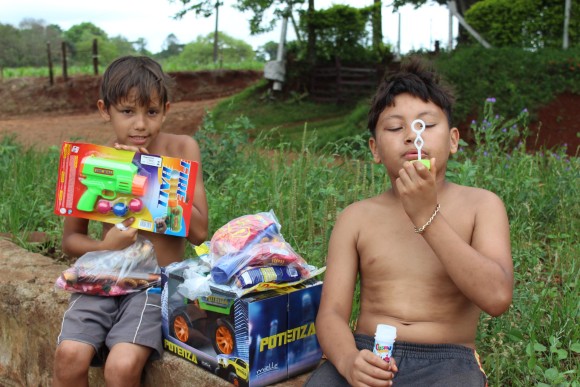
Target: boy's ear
point(374, 150)
point(453, 140)
point(167, 107)
point(103, 110)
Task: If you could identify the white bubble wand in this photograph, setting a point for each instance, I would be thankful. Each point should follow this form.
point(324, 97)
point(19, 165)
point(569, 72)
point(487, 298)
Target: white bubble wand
point(419, 140)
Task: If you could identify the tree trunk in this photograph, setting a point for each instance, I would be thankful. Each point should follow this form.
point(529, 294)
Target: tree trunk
point(462, 7)
point(377, 25)
point(311, 48)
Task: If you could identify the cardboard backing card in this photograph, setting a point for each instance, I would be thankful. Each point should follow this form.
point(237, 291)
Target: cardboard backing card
point(108, 185)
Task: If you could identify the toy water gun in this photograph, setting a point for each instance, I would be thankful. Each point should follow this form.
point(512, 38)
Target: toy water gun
point(107, 178)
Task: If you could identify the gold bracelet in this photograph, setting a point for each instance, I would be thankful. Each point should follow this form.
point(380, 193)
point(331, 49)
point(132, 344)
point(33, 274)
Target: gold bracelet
point(419, 230)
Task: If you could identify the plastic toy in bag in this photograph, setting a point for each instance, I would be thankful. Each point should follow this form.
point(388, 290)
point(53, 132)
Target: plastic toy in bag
point(113, 273)
point(251, 276)
point(229, 242)
point(251, 240)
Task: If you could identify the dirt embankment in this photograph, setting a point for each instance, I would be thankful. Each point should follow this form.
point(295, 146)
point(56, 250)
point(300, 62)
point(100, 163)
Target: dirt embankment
point(41, 114)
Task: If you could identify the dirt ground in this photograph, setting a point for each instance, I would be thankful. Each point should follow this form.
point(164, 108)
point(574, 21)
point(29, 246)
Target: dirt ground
point(43, 115)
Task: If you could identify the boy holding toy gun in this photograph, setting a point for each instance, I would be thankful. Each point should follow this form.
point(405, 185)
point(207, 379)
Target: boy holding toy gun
point(134, 99)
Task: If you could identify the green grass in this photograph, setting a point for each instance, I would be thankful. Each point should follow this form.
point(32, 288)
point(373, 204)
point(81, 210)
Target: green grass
point(26, 72)
point(535, 343)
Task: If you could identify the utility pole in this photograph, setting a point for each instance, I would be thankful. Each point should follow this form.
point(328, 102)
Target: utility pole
point(450, 38)
point(399, 37)
point(453, 9)
point(566, 23)
point(215, 35)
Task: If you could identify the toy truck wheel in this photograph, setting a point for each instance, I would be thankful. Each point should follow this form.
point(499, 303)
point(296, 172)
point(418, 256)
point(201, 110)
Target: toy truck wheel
point(224, 340)
point(180, 328)
point(233, 378)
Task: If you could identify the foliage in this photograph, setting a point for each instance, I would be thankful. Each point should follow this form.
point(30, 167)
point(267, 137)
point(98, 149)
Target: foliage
point(206, 8)
point(509, 72)
point(539, 192)
point(200, 52)
point(28, 193)
point(341, 32)
point(462, 5)
point(522, 23)
point(535, 343)
point(27, 45)
point(267, 51)
point(259, 8)
point(284, 119)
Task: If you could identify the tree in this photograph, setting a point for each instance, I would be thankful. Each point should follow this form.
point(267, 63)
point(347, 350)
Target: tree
point(462, 7)
point(341, 32)
point(171, 47)
point(267, 51)
point(200, 52)
point(522, 23)
point(10, 46)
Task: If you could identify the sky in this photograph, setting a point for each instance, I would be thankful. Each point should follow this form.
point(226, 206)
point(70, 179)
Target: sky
point(153, 20)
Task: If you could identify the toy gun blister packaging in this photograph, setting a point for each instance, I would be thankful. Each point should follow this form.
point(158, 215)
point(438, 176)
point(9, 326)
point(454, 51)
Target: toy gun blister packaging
point(105, 184)
point(107, 178)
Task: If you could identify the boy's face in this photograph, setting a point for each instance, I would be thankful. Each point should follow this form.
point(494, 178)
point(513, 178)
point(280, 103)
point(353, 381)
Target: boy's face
point(135, 125)
point(393, 143)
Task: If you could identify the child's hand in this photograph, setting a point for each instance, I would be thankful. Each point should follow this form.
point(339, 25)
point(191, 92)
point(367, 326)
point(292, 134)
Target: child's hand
point(130, 148)
point(369, 369)
point(120, 236)
point(417, 188)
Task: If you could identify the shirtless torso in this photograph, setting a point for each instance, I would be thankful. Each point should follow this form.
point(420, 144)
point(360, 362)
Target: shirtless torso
point(403, 283)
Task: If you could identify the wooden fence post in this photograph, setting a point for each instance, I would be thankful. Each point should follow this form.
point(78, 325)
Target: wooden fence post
point(64, 64)
point(95, 57)
point(338, 80)
point(50, 71)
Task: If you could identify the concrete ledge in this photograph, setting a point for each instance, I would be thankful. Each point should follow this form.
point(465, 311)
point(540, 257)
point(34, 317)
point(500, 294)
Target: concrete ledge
point(30, 317)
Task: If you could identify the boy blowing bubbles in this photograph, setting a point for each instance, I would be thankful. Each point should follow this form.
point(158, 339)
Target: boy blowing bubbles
point(429, 273)
point(134, 100)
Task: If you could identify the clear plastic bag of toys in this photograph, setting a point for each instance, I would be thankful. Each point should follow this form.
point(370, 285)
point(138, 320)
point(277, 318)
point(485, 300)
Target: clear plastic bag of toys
point(252, 240)
point(113, 273)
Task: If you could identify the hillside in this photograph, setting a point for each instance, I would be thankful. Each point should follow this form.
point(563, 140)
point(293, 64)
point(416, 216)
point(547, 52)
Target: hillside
point(42, 114)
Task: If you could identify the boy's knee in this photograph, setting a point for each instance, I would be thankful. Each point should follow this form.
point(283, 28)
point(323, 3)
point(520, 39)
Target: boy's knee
point(124, 366)
point(72, 358)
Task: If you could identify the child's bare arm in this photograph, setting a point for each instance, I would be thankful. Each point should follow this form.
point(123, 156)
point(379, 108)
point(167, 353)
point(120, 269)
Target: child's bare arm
point(483, 271)
point(333, 331)
point(482, 268)
point(76, 242)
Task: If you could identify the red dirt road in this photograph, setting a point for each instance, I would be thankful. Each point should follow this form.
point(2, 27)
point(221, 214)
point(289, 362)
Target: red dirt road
point(42, 115)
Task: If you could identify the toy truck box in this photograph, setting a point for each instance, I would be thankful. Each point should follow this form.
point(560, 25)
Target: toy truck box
point(253, 340)
point(105, 184)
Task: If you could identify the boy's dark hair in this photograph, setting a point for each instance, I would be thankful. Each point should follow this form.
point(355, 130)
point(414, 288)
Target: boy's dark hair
point(139, 72)
point(415, 78)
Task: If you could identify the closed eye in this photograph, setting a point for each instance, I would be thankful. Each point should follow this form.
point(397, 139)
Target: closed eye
point(394, 129)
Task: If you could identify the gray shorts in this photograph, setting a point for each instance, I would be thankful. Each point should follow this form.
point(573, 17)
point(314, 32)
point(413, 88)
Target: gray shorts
point(105, 321)
point(446, 365)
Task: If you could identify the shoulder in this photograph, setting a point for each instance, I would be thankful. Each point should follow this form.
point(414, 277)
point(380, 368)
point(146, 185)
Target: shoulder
point(357, 214)
point(178, 145)
point(478, 199)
